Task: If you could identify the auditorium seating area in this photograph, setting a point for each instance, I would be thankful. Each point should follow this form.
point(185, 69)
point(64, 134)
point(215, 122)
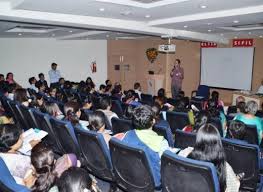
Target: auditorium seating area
point(126, 167)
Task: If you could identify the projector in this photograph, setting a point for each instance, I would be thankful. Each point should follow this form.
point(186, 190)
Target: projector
point(170, 48)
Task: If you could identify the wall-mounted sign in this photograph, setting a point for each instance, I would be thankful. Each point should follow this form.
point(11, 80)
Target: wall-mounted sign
point(243, 43)
point(208, 44)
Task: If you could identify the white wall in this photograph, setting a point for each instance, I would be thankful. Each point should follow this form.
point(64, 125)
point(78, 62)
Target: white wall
point(28, 57)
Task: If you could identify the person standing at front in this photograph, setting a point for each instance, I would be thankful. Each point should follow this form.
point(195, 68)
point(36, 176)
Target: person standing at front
point(177, 75)
point(54, 75)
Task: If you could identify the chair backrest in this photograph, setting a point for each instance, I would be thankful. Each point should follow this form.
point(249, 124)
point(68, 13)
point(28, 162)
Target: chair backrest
point(116, 108)
point(187, 175)
point(7, 182)
point(147, 99)
point(177, 120)
point(131, 167)
point(243, 158)
point(251, 134)
point(165, 131)
point(65, 133)
point(231, 109)
point(121, 125)
point(99, 165)
point(217, 123)
point(18, 115)
point(203, 91)
point(43, 123)
point(29, 116)
point(85, 114)
point(6, 106)
point(184, 139)
point(172, 101)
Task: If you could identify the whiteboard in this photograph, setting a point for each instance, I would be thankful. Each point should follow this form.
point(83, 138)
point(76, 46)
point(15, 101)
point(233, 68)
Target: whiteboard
point(227, 67)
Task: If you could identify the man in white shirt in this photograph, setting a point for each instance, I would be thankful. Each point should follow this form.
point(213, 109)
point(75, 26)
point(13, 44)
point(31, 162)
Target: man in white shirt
point(54, 74)
point(137, 89)
point(260, 89)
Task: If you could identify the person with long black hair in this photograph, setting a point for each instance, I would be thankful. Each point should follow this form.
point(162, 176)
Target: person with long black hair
point(208, 147)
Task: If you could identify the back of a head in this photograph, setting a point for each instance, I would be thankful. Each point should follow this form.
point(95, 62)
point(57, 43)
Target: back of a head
point(9, 135)
point(215, 95)
point(202, 118)
point(42, 159)
point(71, 106)
point(96, 120)
point(105, 102)
point(161, 92)
point(251, 107)
point(102, 87)
point(156, 108)
point(241, 106)
point(20, 95)
point(181, 105)
point(74, 180)
point(128, 113)
point(136, 85)
point(208, 147)
point(236, 130)
point(213, 108)
point(143, 117)
point(130, 94)
point(51, 108)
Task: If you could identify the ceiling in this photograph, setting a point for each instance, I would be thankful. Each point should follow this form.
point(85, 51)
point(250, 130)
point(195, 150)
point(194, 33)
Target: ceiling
point(202, 20)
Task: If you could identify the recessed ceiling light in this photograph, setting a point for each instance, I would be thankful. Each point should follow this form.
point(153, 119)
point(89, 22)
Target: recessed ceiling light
point(53, 35)
point(235, 37)
point(185, 26)
point(107, 35)
point(236, 21)
point(209, 23)
point(70, 31)
point(147, 16)
point(102, 9)
point(209, 30)
point(249, 33)
point(19, 34)
point(260, 36)
point(203, 6)
point(222, 34)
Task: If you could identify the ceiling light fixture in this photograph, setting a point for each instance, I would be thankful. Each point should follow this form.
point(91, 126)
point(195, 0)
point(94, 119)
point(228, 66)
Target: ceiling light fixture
point(70, 31)
point(19, 34)
point(101, 9)
point(147, 16)
point(107, 36)
point(185, 26)
point(203, 6)
point(209, 30)
point(235, 37)
point(209, 23)
point(249, 33)
point(236, 21)
point(53, 34)
point(260, 36)
point(222, 34)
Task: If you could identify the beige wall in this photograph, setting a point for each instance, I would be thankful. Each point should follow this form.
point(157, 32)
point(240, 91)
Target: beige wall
point(187, 51)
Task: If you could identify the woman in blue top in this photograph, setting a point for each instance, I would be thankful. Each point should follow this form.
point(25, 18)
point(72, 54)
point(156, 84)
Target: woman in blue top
point(249, 118)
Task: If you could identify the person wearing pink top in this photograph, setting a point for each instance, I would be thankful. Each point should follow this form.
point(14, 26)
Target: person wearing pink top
point(177, 75)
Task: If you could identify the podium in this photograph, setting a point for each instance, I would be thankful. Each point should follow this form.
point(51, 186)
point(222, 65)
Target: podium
point(154, 83)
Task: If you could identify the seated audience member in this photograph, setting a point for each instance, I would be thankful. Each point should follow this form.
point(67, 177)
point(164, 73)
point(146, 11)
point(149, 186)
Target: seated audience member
point(208, 147)
point(105, 107)
point(102, 89)
point(162, 102)
point(38, 102)
point(249, 118)
point(236, 130)
point(117, 91)
point(182, 105)
point(215, 98)
point(45, 169)
point(260, 89)
point(143, 136)
point(128, 112)
point(202, 118)
point(11, 91)
point(10, 79)
point(72, 113)
point(52, 93)
point(53, 110)
point(61, 83)
point(108, 82)
point(41, 80)
point(21, 96)
point(76, 180)
point(108, 89)
point(2, 77)
point(32, 81)
point(87, 103)
point(97, 123)
point(130, 98)
point(216, 112)
point(138, 89)
point(11, 140)
point(161, 93)
point(162, 124)
point(42, 88)
point(89, 82)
